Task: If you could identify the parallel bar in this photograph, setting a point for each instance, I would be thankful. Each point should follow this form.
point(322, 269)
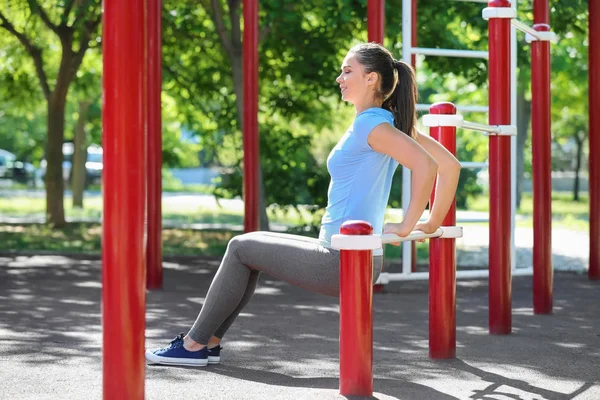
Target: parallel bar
point(500, 296)
point(442, 261)
point(473, 164)
point(154, 84)
point(449, 52)
point(525, 28)
point(481, 127)
point(594, 138)
point(464, 274)
point(356, 316)
point(542, 168)
point(250, 120)
point(123, 238)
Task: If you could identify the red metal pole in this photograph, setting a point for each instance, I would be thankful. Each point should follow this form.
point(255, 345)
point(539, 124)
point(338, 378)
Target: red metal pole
point(413, 33)
point(154, 159)
point(594, 138)
point(413, 62)
point(500, 185)
point(124, 183)
point(356, 315)
point(250, 120)
point(376, 33)
point(541, 164)
point(376, 20)
point(442, 262)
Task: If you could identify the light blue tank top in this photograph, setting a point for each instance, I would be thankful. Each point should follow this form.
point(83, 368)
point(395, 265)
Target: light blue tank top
point(361, 178)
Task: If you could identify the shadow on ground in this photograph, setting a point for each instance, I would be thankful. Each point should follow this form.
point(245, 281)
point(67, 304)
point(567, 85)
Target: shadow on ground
point(285, 343)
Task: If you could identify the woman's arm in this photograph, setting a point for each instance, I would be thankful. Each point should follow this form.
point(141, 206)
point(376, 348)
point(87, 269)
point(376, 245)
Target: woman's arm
point(386, 139)
point(447, 181)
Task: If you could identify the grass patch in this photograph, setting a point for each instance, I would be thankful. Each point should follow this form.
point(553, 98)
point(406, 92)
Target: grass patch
point(87, 238)
point(172, 210)
point(566, 213)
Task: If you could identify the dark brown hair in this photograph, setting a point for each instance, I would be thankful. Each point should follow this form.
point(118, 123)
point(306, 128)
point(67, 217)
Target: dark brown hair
point(398, 86)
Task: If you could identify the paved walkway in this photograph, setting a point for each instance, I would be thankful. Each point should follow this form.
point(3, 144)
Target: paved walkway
point(284, 346)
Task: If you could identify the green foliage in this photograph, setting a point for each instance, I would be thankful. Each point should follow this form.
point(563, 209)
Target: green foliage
point(291, 174)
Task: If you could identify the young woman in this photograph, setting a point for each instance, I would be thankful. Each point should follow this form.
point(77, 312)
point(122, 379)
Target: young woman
point(382, 136)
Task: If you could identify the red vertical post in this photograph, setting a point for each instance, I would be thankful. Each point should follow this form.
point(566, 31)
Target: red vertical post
point(500, 185)
point(413, 62)
point(376, 20)
point(594, 138)
point(154, 159)
point(356, 315)
point(250, 120)
point(541, 164)
point(442, 261)
point(123, 238)
point(413, 33)
point(376, 33)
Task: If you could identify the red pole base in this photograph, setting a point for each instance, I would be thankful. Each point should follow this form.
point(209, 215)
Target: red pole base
point(356, 323)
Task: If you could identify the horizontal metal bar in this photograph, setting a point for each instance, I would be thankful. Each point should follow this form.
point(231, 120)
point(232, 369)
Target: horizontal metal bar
point(449, 52)
point(481, 127)
point(372, 242)
point(387, 277)
point(524, 28)
point(482, 109)
point(473, 164)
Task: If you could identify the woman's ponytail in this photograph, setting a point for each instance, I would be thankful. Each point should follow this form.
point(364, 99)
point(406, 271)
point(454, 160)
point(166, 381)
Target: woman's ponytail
point(403, 101)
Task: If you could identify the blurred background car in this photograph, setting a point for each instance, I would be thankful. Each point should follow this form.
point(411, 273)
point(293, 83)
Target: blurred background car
point(16, 170)
point(93, 164)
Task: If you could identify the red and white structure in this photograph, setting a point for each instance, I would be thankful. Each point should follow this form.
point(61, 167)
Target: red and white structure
point(356, 243)
point(501, 54)
point(131, 250)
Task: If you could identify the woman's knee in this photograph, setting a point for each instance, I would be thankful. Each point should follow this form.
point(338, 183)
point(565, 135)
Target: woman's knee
point(238, 242)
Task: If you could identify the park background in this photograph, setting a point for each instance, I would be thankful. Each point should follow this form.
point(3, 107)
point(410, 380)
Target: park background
point(50, 103)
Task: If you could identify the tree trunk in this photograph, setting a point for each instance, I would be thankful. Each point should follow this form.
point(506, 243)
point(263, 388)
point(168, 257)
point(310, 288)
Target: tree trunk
point(238, 87)
point(523, 117)
point(55, 211)
point(79, 156)
point(578, 161)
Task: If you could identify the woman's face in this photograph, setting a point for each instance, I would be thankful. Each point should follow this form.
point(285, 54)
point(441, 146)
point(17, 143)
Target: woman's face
point(354, 83)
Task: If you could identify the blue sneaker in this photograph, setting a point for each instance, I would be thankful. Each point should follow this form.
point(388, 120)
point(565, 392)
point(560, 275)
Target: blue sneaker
point(176, 354)
point(214, 355)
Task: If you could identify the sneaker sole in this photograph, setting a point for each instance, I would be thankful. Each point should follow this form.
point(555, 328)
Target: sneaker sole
point(186, 362)
point(214, 360)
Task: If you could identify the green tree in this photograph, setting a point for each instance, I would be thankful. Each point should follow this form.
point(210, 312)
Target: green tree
point(301, 46)
point(56, 39)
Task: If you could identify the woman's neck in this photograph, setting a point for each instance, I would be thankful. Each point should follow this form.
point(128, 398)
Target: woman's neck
point(365, 106)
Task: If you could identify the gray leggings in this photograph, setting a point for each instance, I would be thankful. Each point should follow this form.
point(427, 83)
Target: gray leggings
point(298, 260)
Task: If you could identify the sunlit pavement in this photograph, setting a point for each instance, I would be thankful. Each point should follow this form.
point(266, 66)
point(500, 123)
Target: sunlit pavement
point(285, 343)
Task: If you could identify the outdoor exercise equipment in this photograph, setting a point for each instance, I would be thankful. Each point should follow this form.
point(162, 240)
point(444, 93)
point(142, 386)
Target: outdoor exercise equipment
point(502, 116)
point(356, 243)
point(131, 121)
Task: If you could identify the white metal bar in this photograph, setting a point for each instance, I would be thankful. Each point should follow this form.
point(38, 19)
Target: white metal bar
point(465, 109)
point(447, 232)
point(473, 164)
point(481, 127)
point(406, 177)
point(525, 28)
point(513, 140)
point(386, 277)
point(449, 52)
